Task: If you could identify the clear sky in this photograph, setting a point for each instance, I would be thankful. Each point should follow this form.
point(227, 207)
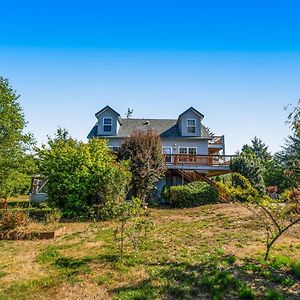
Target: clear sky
point(237, 62)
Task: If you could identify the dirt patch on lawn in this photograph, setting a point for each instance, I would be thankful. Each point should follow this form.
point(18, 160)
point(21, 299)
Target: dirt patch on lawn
point(19, 262)
point(77, 291)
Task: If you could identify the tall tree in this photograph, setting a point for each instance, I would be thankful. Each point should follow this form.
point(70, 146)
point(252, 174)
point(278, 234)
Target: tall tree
point(289, 157)
point(143, 149)
point(260, 149)
point(294, 118)
point(13, 142)
point(249, 165)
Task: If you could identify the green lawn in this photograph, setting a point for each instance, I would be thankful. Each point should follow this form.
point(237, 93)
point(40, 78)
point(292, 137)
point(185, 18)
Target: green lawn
point(210, 252)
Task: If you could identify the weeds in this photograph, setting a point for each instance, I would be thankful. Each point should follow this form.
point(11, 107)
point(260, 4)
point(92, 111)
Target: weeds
point(295, 269)
point(183, 261)
point(273, 295)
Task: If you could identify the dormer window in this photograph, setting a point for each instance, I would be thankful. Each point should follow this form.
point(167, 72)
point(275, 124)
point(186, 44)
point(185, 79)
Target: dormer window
point(191, 125)
point(107, 124)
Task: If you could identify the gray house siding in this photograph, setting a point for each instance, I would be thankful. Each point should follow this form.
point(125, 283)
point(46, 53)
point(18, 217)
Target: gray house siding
point(175, 144)
point(107, 114)
point(183, 123)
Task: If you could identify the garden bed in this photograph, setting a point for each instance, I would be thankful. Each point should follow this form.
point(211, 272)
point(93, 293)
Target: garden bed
point(37, 214)
point(29, 234)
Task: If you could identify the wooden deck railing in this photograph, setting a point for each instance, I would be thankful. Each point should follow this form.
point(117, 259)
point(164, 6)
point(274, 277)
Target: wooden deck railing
point(200, 160)
point(217, 140)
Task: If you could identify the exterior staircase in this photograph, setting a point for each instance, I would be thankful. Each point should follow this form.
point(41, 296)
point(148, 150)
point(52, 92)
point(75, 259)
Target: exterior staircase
point(191, 176)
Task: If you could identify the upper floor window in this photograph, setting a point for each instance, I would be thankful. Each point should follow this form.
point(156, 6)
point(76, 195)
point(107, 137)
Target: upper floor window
point(107, 124)
point(191, 125)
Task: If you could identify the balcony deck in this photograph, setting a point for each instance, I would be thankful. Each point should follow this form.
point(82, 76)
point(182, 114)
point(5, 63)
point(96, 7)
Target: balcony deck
point(210, 164)
point(216, 142)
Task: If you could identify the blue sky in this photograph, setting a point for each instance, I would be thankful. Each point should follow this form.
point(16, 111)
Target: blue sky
point(238, 62)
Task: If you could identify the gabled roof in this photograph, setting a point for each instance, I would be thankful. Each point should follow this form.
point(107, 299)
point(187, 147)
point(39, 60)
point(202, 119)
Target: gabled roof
point(167, 128)
point(108, 107)
point(93, 132)
point(105, 108)
point(194, 110)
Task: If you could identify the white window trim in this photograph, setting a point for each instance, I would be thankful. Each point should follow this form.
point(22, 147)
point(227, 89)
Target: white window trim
point(191, 126)
point(166, 147)
point(192, 148)
point(187, 149)
point(106, 118)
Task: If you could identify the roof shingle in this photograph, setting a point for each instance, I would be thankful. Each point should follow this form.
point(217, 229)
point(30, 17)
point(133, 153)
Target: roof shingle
point(167, 128)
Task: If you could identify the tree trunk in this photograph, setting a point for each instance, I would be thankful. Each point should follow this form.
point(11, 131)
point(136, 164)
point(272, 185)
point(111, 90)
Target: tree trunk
point(267, 253)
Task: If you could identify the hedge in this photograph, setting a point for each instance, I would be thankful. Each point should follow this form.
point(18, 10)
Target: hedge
point(193, 194)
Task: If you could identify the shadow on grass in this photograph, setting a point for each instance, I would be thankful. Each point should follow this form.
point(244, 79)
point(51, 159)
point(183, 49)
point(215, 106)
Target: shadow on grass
point(216, 278)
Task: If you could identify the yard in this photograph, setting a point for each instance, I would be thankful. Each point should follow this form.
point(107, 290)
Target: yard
point(213, 251)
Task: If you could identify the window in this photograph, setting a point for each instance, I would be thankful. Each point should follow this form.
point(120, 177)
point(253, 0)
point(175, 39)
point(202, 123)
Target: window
point(107, 124)
point(167, 151)
point(183, 150)
point(192, 150)
point(191, 125)
point(188, 150)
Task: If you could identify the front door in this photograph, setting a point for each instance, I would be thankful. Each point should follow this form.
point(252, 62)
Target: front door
point(167, 151)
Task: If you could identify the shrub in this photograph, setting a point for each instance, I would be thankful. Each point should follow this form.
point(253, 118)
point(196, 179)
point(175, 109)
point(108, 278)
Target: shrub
point(81, 176)
point(241, 181)
point(165, 193)
point(11, 219)
point(53, 216)
point(226, 189)
point(193, 194)
point(240, 188)
point(37, 214)
point(290, 195)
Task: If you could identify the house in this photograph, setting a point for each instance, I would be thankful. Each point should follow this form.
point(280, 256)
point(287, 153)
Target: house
point(192, 152)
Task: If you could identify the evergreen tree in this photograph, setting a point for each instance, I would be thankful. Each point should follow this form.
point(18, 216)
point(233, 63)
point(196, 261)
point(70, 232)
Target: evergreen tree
point(249, 165)
point(260, 149)
point(284, 169)
point(289, 157)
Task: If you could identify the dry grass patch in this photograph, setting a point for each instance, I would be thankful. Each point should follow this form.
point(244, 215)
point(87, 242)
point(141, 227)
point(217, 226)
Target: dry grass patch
point(186, 256)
